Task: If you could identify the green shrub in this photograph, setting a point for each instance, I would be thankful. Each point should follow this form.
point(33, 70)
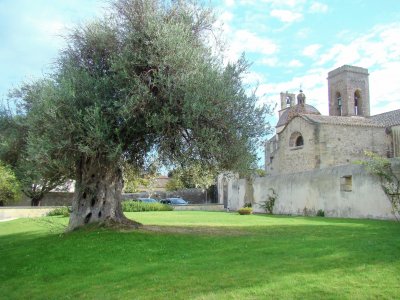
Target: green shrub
point(320, 213)
point(268, 205)
point(245, 211)
point(174, 184)
point(59, 211)
point(9, 186)
point(135, 206)
point(390, 181)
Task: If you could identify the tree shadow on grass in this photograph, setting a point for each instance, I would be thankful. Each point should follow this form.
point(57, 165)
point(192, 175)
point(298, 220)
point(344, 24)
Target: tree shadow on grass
point(274, 261)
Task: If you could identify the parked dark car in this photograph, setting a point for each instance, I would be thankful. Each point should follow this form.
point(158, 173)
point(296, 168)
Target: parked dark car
point(147, 200)
point(174, 201)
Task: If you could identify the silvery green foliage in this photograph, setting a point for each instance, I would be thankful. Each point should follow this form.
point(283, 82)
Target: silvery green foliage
point(390, 183)
point(139, 81)
point(143, 80)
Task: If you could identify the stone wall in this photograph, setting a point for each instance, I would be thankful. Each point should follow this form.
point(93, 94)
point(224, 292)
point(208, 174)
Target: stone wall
point(343, 191)
point(194, 196)
point(325, 145)
point(346, 80)
point(200, 207)
point(23, 212)
point(339, 145)
point(289, 159)
point(50, 199)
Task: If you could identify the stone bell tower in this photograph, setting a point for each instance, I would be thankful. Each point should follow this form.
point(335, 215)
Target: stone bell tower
point(348, 89)
point(287, 101)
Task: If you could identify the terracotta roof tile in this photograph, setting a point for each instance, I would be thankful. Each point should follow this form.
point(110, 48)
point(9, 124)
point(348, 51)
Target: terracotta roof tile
point(339, 120)
point(296, 110)
point(387, 119)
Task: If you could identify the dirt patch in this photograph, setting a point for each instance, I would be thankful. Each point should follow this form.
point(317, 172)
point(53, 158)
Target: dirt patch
point(194, 230)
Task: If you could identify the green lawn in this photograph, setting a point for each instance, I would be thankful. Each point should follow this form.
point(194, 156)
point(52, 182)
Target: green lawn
point(202, 255)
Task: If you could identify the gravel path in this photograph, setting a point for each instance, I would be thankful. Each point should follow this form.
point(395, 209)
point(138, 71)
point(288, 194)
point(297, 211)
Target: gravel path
point(9, 219)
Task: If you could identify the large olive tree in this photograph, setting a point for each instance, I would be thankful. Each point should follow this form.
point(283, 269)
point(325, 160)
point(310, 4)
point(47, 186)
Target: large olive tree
point(140, 81)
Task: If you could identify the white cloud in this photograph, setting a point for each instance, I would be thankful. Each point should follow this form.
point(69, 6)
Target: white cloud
point(253, 78)
point(224, 21)
point(295, 63)
point(221, 28)
point(318, 7)
point(378, 50)
point(378, 46)
point(303, 33)
point(226, 17)
point(229, 3)
point(286, 16)
point(311, 50)
point(269, 61)
point(246, 41)
point(313, 84)
point(384, 87)
point(283, 3)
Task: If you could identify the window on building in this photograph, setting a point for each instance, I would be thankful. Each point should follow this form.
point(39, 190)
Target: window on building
point(296, 140)
point(339, 102)
point(357, 102)
point(288, 101)
point(346, 183)
point(299, 141)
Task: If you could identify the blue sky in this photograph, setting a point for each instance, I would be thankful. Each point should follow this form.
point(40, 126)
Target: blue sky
point(295, 43)
point(290, 42)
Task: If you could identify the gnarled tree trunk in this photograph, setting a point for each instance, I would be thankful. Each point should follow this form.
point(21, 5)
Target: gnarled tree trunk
point(35, 201)
point(97, 197)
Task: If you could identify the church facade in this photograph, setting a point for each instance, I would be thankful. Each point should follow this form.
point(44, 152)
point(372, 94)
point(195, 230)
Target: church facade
point(306, 140)
point(310, 160)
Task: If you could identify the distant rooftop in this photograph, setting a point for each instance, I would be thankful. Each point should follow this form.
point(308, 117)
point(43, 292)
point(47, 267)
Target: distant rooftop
point(339, 120)
point(387, 119)
point(298, 109)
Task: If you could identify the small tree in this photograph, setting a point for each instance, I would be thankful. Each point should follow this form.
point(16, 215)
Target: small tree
point(390, 182)
point(9, 186)
point(136, 179)
point(194, 175)
point(35, 180)
point(174, 184)
point(133, 179)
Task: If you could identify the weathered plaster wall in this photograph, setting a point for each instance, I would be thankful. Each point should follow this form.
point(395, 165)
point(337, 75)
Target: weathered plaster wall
point(23, 212)
point(236, 188)
point(307, 192)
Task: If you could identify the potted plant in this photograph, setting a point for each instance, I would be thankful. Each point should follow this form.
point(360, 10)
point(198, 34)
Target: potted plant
point(246, 209)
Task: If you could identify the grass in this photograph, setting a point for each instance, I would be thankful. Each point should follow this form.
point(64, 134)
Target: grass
point(202, 255)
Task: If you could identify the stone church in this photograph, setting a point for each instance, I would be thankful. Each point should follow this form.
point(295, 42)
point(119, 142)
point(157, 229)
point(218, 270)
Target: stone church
point(310, 160)
point(305, 140)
